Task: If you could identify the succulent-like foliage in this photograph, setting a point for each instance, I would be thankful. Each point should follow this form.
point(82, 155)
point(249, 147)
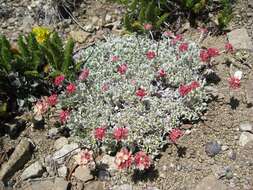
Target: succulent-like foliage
point(137, 84)
point(60, 58)
point(156, 12)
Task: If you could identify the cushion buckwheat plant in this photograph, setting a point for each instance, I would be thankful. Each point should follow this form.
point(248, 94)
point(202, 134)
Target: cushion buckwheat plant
point(134, 93)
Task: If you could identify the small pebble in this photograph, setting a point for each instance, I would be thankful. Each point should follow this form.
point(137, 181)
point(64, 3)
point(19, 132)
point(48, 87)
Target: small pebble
point(212, 148)
point(232, 155)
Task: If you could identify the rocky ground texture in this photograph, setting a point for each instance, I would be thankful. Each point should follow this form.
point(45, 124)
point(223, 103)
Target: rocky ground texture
point(216, 153)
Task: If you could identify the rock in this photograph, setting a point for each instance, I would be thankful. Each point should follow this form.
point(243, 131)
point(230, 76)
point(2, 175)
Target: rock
point(34, 170)
point(52, 133)
point(15, 127)
point(18, 159)
point(212, 148)
point(53, 184)
point(28, 22)
point(59, 143)
point(109, 163)
point(95, 185)
point(220, 171)
point(108, 18)
point(123, 187)
point(245, 138)
point(249, 90)
point(240, 39)
point(103, 175)
point(60, 155)
point(83, 173)
point(246, 127)
point(211, 183)
point(232, 155)
point(41, 185)
point(245, 156)
point(50, 166)
point(60, 184)
point(224, 147)
point(63, 171)
point(79, 36)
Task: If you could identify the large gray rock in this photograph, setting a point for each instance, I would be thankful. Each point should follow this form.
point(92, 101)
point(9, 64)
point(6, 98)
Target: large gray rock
point(68, 149)
point(240, 39)
point(211, 183)
point(80, 36)
point(34, 170)
point(246, 127)
point(123, 187)
point(18, 159)
point(83, 173)
point(109, 162)
point(95, 185)
point(53, 184)
point(245, 138)
point(59, 143)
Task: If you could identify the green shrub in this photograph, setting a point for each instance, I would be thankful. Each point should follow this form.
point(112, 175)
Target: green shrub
point(155, 12)
point(122, 70)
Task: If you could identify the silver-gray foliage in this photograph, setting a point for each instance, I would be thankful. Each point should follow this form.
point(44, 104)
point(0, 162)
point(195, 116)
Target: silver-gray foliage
point(150, 119)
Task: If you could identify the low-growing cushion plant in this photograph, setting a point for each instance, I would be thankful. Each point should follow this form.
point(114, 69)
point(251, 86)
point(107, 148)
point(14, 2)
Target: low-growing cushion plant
point(133, 92)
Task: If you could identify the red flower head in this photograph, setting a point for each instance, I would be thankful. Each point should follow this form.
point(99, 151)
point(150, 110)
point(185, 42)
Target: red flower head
point(120, 133)
point(105, 87)
point(213, 52)
point(52, 100)
point(177, 38)
point(122, 69)
point(161, 73)
point(229, 48)
point(141, 93)
point(183, 47)
point(71, 88)
point(115, 58)
point(84, 74)
point(184, 90)
point(150, 55)
point(123, 159)
point(84, 157)
point(194, 85)
point(64, 116)
point(234, 82)
point(204, 55)
point(100, 133)
point(142, 160)
point(175, 134)
point(58, 80)
point(148, 26)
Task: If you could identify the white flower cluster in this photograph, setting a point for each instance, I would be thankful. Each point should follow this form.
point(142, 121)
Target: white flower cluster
point(134, 83)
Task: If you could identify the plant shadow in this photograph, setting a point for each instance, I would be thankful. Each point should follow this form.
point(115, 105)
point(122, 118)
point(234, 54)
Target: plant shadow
point(147, 175)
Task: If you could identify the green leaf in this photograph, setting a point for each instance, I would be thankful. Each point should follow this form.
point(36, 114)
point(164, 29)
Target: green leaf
point(68, 56)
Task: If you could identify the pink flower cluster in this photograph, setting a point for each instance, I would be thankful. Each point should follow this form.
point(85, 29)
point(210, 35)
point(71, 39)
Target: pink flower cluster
point(59, 80)
point(141, 93)
point(183, 47)
point(185, 89)
point(206, 55)
point(122, 69)
point(148, 26)
point(175, 134)
point(64, 116)
point(119, 133)
point(150, 55)
point(84, 157)
point(124, 159)
point(84, 74)
point(234, 82)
